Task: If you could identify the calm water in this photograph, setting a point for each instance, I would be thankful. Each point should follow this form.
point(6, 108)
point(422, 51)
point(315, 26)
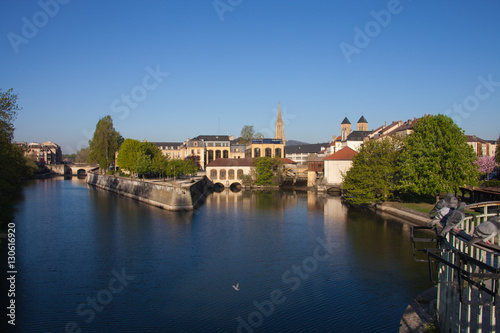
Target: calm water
point(99, 262)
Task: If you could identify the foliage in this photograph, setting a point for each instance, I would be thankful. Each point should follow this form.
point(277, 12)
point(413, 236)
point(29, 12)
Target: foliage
point(143, 162)
point(247, 133)
point(246, 180)
point(195, 159)
point(13, 165)
point(436, 158)
point(127, 154)
point(8, 113)
point(372, 175)
point(267, 170)
point(104, 144)
point(159, 163)
point(490, 183)
point(82, 155)
point(69, 157)
point(175, 168)
point(190, 167)
point(486, 164)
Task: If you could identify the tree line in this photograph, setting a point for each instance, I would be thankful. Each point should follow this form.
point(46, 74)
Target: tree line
point(14, 166)
point(434, 159)
point(133, 156)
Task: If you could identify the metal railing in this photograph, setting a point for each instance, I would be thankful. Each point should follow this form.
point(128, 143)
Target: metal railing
point(467, 277)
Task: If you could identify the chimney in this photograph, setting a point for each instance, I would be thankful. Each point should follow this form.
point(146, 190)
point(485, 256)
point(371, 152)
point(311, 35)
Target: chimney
point(231, 138)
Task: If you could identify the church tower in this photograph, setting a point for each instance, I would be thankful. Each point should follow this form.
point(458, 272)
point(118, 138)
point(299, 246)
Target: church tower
point(280, 132)
point(362, 124)
point(345, 128)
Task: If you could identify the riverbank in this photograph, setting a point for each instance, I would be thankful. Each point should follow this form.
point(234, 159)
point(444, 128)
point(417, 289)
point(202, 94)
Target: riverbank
point(183, 195)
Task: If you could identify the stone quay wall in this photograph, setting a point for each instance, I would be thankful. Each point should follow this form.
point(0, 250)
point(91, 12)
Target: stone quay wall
point(177, 197)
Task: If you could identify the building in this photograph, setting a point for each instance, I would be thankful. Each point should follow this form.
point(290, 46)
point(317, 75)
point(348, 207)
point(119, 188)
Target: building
point(216, 146)
point(237, 149)
point(482, 147)
point(265, 147)
point(337, 163)
point(301, 153)
point(174, 150)
point(47, 152)
point(229, 170)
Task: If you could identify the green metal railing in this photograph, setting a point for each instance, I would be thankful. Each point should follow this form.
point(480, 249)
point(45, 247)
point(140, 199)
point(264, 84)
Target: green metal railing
point(467, 277)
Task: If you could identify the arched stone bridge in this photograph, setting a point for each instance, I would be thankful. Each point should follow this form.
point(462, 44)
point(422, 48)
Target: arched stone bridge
point(76, 169)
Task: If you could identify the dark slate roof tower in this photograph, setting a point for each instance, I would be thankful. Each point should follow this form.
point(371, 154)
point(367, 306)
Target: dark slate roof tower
point(362, 124)
point(280, 131)
point(345, 128)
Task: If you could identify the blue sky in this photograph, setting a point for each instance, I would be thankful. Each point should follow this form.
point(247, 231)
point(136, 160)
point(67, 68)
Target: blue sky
point(169, 70)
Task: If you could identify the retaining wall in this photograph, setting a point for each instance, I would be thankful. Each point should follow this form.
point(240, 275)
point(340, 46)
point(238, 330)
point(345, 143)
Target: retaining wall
point(183, 196)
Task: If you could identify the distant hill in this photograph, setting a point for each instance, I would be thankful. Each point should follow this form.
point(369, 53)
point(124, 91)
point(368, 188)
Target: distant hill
point(295, 143)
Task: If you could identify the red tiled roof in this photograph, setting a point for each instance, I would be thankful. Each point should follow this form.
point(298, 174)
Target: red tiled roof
point(345, 153)
point(288, 161)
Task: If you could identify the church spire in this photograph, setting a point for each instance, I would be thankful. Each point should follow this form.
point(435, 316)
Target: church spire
point(280, 132)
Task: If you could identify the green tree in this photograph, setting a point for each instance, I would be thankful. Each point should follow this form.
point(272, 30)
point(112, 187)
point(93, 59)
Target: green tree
point(247, 133)
point(8, 113)
point(82, 155)
point(128, 153)
point(13, 166)
point(104, 144)
point(175, 168)
point(160, 164)
point(372, 175)
point(267, 170)
point(143, 162)
point(436, 158)
point(190, 167)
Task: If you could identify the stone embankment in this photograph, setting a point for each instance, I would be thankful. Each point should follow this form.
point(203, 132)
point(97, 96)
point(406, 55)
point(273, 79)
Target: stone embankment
point(406, 214)
point(185, 195)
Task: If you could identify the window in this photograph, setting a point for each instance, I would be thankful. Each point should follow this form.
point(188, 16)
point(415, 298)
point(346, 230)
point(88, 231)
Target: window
point(278, 152)
point(239, 173)
point(210, 156)
point(213, 174)
point(222, 174)
point(217, 154)
point(230, 174)
point(256, 152)
point(196, 144)
point(225, 154)
point(268, 152)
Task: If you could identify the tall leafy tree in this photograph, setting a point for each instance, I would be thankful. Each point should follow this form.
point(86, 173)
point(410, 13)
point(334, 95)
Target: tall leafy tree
point(127, 155)
point(267, 170)
point(247, 133)
point(436, 158)
point(104, 144)
point(13, 166)
point(373, 171)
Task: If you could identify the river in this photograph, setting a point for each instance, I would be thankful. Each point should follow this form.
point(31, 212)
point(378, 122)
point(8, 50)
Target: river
point(94, 261)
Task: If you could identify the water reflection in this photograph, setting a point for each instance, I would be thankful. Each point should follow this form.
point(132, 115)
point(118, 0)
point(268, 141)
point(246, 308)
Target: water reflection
point(71, 237)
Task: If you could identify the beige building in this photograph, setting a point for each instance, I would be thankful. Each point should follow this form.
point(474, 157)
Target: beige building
point(228, 171)
point(47, 152)
point(482, 147)
point(265, 147)
point(336, 163)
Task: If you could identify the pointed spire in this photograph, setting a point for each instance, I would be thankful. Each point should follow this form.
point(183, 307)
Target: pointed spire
point(280, 132)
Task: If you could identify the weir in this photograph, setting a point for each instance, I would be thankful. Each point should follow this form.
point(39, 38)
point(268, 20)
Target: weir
point(185, 195)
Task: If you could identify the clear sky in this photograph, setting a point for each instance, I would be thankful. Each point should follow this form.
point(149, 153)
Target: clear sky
point(172, 70)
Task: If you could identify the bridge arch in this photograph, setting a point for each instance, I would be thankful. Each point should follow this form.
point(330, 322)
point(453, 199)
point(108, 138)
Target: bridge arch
point(235, 187)
point(218, 187)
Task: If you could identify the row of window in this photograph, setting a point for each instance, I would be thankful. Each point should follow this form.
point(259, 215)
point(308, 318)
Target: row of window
point(267, 152)
point(223, 173)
